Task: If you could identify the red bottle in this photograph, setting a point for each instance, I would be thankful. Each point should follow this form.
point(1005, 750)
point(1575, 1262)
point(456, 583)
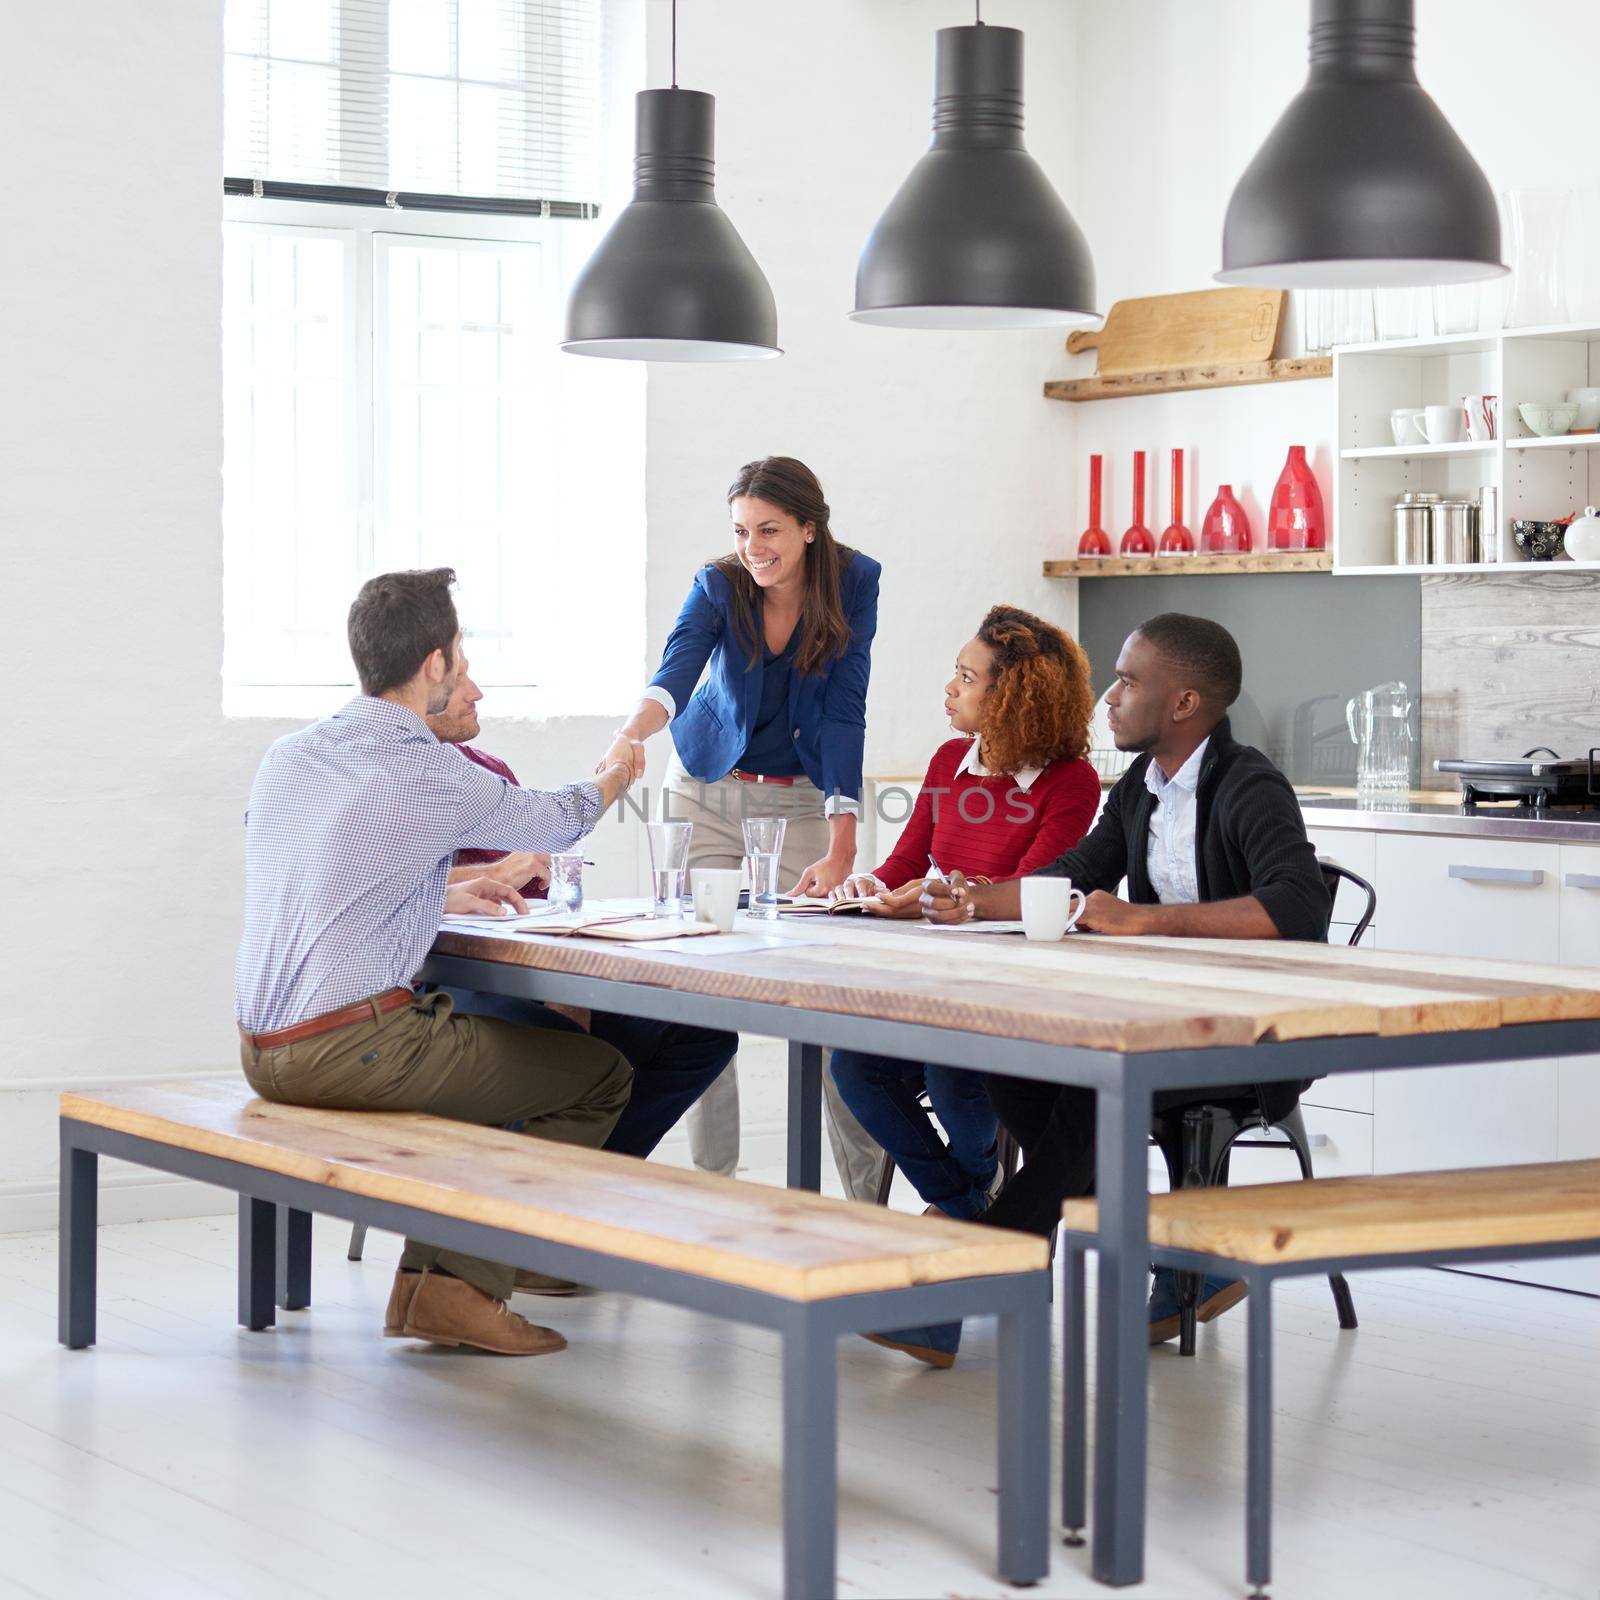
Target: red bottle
point(1094, 541)
point(1226, 529)
point(1176, 540)
point(1137, 541)
point(1294, 521)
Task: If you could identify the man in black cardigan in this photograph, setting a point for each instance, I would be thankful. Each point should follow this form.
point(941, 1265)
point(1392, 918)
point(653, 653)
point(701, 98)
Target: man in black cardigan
point(1209, 835)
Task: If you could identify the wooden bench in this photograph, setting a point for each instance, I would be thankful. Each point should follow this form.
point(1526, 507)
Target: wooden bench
point(1263, 1232)
point(808, 1267)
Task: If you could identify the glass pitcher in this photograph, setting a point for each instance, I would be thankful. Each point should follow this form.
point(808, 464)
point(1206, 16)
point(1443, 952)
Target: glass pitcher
point(1380, 727)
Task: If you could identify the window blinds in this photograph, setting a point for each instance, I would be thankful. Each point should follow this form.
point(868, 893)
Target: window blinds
point(477, 105)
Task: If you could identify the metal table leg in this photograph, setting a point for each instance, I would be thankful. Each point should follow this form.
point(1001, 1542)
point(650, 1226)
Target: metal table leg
point(1024, 1424)
point(1122, 1185)
point(805, 1116)
point(1074, 1400)
point(1258, 1449)
point(258, 1237)
point(810, 1462)
point(80, 1198)
point(358, 1242)
point(293, 1259)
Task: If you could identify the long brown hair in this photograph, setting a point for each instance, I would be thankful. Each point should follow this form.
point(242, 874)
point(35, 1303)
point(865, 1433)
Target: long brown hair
point(824, 630)
point(1042, 696)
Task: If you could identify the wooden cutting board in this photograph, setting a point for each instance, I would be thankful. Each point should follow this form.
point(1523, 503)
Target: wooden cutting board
point(1186, 330)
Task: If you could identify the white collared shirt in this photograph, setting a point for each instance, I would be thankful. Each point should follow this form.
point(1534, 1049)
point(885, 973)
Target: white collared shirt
point(971, 762)
point(1171, 857)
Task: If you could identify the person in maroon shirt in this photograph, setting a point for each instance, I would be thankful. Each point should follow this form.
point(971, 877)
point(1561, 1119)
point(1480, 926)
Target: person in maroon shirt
point(673, 1062)
point(1003, 799)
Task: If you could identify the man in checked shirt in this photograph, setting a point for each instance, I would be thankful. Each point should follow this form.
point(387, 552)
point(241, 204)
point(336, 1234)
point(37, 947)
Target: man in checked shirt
point(351, 830)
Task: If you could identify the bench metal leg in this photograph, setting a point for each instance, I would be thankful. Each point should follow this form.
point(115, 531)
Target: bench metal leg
point(358, 1241)
point(293, 1258)
point(1074, 1401)
point(1258, 1471)
point(805, 1116)
point(810, 1464)
point(1024, 1424)
point(258, 1238)
point(80, 1198)
point(1122, 1351)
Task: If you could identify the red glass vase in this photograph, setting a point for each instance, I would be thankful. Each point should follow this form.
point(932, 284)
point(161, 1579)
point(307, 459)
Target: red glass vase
point(1176, 540)
point(1094, 541)
point(1226, 530)
point(1137, 541)
point(1295, 520)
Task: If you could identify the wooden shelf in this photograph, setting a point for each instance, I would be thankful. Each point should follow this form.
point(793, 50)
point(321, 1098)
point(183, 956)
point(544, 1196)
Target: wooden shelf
point(1191, 566)
point(1176, 380)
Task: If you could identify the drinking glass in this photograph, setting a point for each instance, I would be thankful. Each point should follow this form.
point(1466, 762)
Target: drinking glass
point(1455, 308)
point(1396, 313)
point(669, 855)
point(566, 880)
point(1540, 244)
point(1335, 316)
point(763, 846)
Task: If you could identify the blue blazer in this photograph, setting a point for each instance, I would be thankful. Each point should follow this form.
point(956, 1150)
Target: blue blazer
point(828, 711)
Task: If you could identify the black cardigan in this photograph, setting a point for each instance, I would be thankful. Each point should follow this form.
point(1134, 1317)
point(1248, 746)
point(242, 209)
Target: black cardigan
point(1250, 839)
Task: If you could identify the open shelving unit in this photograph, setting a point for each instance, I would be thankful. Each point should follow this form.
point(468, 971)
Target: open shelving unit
point(1540, 478)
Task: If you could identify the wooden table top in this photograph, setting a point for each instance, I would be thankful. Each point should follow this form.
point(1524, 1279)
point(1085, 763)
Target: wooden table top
point(1090, 991)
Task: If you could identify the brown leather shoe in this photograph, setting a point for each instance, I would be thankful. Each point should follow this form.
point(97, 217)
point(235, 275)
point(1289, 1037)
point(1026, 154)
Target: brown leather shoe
point(542, 1283)
point(451, 1312)
point(394, 1319)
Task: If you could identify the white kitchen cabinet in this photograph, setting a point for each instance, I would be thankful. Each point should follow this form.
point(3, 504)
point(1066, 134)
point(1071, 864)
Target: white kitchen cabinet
point(1357, 853)
point(1578, 1083)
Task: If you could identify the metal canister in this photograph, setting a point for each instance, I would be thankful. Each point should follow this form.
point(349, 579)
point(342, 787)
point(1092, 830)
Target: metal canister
point(1413, 529)
point(1455, 531)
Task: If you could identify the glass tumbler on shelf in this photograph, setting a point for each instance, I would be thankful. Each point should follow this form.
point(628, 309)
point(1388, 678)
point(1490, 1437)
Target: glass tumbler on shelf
point(1336, 316)
point(763, 848)
point(669, 856)
point(566, 880)
point(1455, 308)
point(1539, 242)
point(1395, 312)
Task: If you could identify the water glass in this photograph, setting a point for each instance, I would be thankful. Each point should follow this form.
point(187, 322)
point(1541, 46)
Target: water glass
point(1396, 312)
point(1455, 308)
point(566, 880)
point(763, 848)
point(669, 855)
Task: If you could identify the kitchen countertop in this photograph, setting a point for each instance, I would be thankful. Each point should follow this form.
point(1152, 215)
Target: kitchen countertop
point(1439, 813)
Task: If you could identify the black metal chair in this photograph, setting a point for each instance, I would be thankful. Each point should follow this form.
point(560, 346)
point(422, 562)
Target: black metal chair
point(1196, 1140)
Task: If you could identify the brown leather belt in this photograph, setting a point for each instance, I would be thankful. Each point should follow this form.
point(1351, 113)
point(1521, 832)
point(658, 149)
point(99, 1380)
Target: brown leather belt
point(358, 1011)
point(761, 777)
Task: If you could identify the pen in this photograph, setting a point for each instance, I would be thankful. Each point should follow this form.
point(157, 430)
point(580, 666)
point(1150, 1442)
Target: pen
point(938, 871)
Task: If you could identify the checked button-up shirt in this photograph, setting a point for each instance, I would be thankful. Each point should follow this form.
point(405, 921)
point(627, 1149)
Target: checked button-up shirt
point(348, 843)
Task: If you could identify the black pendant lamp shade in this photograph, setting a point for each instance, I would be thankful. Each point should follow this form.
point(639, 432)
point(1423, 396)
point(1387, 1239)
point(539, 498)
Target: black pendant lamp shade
point(672, 280)
point(976, 237)
point(1362, 183)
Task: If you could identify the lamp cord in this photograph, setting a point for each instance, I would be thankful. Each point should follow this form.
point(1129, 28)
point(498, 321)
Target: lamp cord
point(674, 44)
point(977, 9)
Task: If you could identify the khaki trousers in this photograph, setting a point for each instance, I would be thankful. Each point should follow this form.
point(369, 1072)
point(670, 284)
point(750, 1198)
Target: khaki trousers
point(717, 811)
point(562, 1086)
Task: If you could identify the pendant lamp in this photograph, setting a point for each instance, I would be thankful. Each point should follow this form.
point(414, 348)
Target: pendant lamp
point(976, 237)
point(672, 280)
point(1362, 183)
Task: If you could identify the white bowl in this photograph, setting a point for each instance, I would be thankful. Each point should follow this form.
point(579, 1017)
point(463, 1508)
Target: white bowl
point(1548, 417)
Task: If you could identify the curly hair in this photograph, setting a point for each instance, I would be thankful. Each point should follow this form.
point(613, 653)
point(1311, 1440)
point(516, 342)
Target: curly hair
point(1041, 696)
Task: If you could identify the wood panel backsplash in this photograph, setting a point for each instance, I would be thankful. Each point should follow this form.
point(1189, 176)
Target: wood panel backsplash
point(1509, 662)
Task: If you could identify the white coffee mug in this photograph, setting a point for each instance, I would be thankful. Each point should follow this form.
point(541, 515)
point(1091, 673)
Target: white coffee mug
point(1443, 424)
point(1048, 909)
point(716, 895)
point(1405, 423)
point(1482, 413)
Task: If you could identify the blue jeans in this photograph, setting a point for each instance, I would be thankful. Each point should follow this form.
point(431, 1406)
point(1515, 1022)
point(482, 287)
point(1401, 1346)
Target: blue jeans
point(882, 1092)
point(673, 1063)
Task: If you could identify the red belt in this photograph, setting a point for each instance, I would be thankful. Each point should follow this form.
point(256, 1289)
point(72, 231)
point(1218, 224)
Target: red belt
point(761, 777)
point(358, 1011)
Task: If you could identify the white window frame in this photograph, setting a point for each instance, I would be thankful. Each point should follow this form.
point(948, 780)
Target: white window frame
point(368, 228)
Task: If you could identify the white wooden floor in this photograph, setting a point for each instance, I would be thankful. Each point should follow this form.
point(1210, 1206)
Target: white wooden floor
point(1450, 1448)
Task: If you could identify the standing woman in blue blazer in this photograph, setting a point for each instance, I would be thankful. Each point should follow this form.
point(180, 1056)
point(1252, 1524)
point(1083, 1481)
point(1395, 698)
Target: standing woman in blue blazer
point(764, 682)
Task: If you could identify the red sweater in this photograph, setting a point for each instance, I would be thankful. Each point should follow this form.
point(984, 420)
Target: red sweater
point(991, 827)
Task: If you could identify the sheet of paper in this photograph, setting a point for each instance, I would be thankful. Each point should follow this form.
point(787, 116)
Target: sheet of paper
point(976, 927)
point(536, 916)
point(730, 944)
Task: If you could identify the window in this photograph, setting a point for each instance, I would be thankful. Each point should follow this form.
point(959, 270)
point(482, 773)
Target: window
point(394, 395)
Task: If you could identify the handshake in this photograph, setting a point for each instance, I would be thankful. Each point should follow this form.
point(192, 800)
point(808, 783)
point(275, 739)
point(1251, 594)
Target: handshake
point(625, 752)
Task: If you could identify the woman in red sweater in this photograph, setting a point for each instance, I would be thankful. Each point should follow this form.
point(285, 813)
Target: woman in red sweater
point(1007, 796)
